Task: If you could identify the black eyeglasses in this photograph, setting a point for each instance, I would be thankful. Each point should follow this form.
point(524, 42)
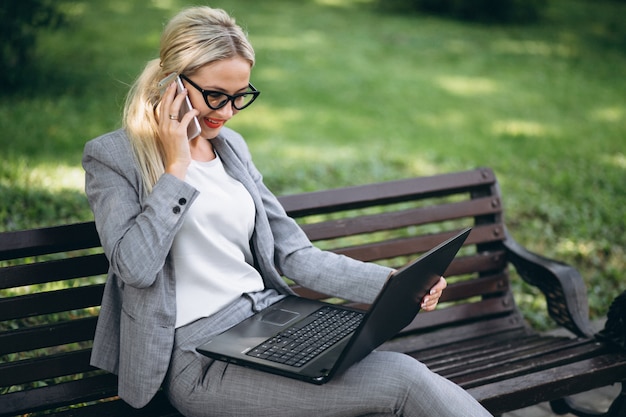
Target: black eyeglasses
point(216, 99)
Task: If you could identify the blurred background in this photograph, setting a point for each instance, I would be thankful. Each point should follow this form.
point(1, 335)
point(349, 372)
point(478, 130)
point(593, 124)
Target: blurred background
point(355, 91)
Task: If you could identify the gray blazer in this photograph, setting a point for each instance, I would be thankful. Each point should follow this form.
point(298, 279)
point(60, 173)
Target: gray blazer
point(135, 332)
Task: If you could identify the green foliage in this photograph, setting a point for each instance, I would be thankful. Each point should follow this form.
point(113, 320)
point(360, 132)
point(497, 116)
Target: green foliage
point(21, 22)
point(492, 11)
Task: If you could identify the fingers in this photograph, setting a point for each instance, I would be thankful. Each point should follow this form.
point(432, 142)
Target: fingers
point(173, 132)
point(440, 285)
point(188, 116)
point(171, 103)
point(429, 302)
point(170, 123)
point(165, 103)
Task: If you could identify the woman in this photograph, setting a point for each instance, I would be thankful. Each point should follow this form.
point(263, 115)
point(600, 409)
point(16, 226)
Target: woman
point(195, 242)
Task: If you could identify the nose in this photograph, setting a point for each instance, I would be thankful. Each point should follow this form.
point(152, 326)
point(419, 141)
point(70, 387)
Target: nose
point(227, 111)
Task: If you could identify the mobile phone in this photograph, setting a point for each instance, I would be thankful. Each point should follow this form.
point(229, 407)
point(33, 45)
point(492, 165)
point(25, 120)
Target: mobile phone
point(193, 129)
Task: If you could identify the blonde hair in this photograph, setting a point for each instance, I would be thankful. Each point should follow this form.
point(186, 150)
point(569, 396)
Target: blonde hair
point(195, 37)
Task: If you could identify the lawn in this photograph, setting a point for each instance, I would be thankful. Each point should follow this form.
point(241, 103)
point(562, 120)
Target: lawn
point(352, 95)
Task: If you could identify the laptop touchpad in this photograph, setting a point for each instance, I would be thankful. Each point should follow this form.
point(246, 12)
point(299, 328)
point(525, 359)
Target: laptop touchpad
point(279, 317)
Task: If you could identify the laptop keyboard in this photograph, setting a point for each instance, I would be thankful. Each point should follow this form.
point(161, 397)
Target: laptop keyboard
point(295, 346)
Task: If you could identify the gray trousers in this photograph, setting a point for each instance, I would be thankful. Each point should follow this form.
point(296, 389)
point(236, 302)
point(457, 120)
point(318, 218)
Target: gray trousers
point(382, 384)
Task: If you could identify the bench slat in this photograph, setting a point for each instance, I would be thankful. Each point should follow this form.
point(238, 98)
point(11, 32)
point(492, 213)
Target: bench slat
point(76, 330)
point(453, 334)
point(466, 312)
point(50, 302)
point(491, 357)
point(482, 262)
point(58, 395)
point(551, 384)
point(47, 240)
point(394, 220)
point(522, 365)
point(488, 285)
point(322, 202)
point(45, 367)
point(433, 354)
point(50, 271)
point(100, 387)
point(159, 406)
point(411, 246)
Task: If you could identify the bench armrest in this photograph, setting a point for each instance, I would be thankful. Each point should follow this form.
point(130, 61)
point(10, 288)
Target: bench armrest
point(562, 285)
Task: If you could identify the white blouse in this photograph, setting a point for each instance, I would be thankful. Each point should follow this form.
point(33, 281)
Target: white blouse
point(211, 252)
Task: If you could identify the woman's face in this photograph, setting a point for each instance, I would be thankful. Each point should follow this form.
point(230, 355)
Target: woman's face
point(230, 76)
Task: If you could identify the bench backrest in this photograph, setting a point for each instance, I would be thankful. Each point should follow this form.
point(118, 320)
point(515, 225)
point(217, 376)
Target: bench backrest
point(51, 279)
point(394, 222)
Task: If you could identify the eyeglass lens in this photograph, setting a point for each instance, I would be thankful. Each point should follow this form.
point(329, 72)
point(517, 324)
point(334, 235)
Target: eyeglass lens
point(217, 100)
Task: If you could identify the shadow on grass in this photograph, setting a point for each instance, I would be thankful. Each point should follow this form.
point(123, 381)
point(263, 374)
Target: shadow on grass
point(33, 207)
point(47, 76)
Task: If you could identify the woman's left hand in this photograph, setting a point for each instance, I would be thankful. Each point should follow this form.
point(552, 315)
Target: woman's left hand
point(430, 300)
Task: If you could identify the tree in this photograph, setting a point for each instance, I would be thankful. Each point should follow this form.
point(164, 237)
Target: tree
point(20, 23)
point(495, 11)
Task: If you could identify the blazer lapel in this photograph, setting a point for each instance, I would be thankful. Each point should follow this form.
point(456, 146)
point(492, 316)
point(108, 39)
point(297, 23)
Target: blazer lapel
point(262, 239)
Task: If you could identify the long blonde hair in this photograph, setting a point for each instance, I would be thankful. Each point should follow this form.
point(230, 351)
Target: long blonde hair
point(195, 37)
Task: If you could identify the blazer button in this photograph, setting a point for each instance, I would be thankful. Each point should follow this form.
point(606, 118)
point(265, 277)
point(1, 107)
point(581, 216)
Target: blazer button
point(176, 209)
point(182, 201)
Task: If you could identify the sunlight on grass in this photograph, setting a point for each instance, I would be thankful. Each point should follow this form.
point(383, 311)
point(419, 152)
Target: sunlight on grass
point(608, 114)
point(41, 194)
point(269, 118)
point(617, 160)
point(448, 118)
point(342, 3)
point(57, 177)
point(522, 128)
point(467, 86)
point(307, 153)
point(74, 9)
point(51, 177)
point(577, 248)
point(533, 47)
point(344, 156)
point(423, 167)
point(165, 4)
point(282, 43)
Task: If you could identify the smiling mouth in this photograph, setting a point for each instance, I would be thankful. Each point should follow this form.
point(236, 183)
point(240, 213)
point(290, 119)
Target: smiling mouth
point(213, 123)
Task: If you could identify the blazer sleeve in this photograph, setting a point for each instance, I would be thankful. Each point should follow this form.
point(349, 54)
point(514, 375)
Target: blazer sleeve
point(136, 231)
point(319, 270)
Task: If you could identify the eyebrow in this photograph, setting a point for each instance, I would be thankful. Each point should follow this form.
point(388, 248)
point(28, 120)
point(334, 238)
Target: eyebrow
point(219, 90)
point(214, 89)
point(222, 90)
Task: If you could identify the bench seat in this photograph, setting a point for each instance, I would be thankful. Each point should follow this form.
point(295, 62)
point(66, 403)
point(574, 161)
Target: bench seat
point(51, 283)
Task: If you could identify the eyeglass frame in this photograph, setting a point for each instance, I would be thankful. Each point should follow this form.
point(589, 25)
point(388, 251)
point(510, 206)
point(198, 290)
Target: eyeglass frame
point(205, 93)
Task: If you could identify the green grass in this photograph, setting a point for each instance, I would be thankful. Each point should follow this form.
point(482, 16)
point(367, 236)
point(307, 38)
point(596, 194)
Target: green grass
point(352, 95)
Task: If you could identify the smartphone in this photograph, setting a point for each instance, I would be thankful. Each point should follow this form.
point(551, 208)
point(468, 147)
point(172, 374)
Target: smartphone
point(193, 129)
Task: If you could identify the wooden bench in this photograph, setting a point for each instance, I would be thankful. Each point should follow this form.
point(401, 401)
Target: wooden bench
point(51, 284)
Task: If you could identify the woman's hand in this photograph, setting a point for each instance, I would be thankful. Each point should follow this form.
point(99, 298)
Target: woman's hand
point(430, 300)
point(173, 132)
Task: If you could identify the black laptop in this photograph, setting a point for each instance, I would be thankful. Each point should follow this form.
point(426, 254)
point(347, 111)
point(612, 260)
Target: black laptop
point(313, 341)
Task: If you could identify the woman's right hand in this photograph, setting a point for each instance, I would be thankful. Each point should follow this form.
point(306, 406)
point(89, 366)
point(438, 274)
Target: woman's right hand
point(173, 132)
